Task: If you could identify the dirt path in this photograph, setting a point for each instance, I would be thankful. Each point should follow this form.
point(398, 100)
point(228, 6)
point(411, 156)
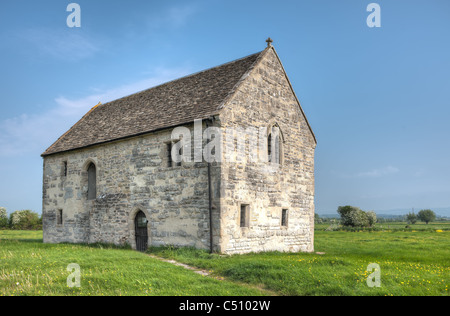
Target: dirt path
point(206, 273)
point(179, 264)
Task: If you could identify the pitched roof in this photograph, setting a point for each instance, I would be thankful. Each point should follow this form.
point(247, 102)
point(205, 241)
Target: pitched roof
point(178, 102)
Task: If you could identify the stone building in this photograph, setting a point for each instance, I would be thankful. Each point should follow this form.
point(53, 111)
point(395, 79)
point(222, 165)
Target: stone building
point(115, 176)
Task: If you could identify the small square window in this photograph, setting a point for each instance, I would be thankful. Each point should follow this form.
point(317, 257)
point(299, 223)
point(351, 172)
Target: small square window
point(244, 218)
point(284, 218)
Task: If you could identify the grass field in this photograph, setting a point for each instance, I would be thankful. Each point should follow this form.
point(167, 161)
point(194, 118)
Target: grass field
point(411, 262)
point(29, 267)
point(419, 226)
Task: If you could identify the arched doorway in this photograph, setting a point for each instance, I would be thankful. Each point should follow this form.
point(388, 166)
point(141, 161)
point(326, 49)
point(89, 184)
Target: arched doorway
point(141, 232)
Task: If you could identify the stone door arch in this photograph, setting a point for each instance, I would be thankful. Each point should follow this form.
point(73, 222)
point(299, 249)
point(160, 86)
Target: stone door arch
point(141, 231)
point(139, 228)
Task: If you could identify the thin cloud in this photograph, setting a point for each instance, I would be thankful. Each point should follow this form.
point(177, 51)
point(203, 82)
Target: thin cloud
point(178, 16)
point(70, 107)
point(174, 17)
point(374, 173)
point(69, 45)
point(34, 133)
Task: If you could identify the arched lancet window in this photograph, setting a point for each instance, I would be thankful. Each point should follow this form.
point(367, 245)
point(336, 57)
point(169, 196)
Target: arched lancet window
point(92, 181)
point(274, 144)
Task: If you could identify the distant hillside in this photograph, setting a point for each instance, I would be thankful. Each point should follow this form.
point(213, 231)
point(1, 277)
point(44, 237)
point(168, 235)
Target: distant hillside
point(440, 212)
point(329, 215)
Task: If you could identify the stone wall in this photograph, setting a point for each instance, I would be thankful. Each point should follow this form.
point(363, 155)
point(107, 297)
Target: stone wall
point(132, 175)
point(265, 98)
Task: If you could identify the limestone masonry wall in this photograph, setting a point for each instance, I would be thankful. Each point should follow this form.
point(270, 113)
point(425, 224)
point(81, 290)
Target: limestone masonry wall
point(133, 175)
point(265, 98)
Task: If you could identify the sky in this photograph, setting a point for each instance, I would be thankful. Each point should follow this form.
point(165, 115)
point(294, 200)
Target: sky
point(378, 99)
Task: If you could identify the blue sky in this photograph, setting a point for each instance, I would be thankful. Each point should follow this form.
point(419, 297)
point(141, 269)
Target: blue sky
point(377, 98)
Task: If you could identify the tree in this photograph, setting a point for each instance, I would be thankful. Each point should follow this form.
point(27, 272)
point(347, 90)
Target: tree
point(359, 218)
point(346, 213)
point(426, 216)
point(355, 217)
point(3, 218)
point(411, 218)
point(372, 217)
point(25, 220)
point(317, 219)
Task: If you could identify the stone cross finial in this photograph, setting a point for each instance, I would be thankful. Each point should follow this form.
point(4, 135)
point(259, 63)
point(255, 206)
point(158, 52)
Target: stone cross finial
point(269, 42)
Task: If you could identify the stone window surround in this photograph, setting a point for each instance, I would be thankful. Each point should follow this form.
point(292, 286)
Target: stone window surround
point(84, 176)
point(272, 124)
point(59, 218)
point(166, 154)
point(248, 214)
point(286, 219)
point(64, 169)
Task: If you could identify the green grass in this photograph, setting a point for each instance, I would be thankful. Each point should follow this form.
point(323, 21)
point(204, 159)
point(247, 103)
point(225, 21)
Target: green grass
point(419, 226)
point(29, 267)
point(22, 235)
point(412, 263)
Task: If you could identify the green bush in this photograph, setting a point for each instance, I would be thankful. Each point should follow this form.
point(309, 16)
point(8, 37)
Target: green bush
point(355, 217)
point(346, 214)
point(25, 220)
point(359, 219)
point(372, 218)
point(3, 218)
point(411, 218)
point(317, 219)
